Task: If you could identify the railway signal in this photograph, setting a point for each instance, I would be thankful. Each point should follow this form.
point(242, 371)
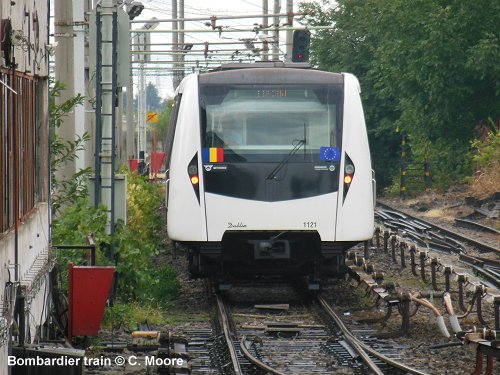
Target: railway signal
point(301, 41)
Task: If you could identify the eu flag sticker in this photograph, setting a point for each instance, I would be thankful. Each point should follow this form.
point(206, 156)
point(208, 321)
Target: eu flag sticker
point(328, 153)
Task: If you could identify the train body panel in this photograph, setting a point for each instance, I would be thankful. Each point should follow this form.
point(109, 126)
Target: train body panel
point(269, 171)
point(232, 214)
point(355, 220)
point(185, 217)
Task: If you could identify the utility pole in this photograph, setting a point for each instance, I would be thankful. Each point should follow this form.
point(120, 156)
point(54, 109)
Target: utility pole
point(265, 25)
point(141, 136)
point(70, 70)
point(106, 84)
point(175, 41)
point(276, 21)
point(134, 9)
point(64, 72)
point(130, 111)
point(289, 33)
point(181, 39)
point(144, 43)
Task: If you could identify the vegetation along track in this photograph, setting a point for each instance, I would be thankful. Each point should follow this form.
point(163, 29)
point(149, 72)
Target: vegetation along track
point(303, 336)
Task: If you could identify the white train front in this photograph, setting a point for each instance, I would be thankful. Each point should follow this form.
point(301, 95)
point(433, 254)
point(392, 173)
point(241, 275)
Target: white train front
point(269, 171)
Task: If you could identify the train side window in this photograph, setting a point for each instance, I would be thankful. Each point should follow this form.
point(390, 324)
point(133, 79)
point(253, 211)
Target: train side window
point(173, 124)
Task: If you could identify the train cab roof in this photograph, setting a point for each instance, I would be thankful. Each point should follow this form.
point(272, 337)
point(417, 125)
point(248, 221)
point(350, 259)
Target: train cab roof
point(261, 64)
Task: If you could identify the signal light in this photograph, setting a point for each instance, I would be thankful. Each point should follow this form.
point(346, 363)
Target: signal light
point(349, 171)
point(301, 41)
point(193, 175)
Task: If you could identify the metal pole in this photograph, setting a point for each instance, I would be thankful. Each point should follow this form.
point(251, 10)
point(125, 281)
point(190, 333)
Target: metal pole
point(181, 38)
point(289, 33)
point(98, 105)
point(276, 21)
point(79, 76)
point(65, 73)
point(265, 25)
point(106, 19)
point(175, 41)
point(130, 113)
point(141, 149)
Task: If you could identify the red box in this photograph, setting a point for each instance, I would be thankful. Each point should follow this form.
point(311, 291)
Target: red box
point(133, 165)
point(157, 159)
point(88, 290)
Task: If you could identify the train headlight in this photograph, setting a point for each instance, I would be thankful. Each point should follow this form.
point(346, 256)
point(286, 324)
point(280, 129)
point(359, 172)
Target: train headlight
point(348, 174)
point(192, 170)
point(194, 177)
point(349, 169)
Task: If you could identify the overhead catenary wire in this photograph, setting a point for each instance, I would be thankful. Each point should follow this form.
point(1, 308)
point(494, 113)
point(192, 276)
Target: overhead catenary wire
point(227, 29)
point(171, 20)
point(236, 28)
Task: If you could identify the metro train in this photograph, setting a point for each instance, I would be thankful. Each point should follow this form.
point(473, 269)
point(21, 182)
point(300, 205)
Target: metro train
point(269, 171)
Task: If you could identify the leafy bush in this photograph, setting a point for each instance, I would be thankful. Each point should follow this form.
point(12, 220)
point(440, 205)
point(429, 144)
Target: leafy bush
point(487, 160)
point(70, 190)
point(75, 222)
point(167, 285)
point(130, 314)
point(138, 242)
point(135, 244)
point(429, 68)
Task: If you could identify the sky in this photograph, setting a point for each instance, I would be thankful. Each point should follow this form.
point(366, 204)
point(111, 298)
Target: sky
point(160, 74)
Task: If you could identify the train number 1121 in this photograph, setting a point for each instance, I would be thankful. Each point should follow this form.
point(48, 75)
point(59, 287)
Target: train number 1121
point(309, 224)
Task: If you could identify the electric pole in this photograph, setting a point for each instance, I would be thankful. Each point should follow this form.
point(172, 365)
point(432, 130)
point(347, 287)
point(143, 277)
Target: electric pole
point(276, 22)
point(181, 40)
point(289, 33)
point(175, 47)
point(265, 25)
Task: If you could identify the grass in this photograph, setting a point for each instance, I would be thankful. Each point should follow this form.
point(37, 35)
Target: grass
point(131, 314)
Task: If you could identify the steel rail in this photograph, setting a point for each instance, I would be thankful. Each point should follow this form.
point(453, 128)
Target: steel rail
point(489, 275)
point(256, 362)
point(361, 348)
point(477, 226)
point(355, 343)
point(227, 335)
point(448, 232)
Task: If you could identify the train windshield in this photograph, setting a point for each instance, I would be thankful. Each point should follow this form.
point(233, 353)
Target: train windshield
point(249, 123)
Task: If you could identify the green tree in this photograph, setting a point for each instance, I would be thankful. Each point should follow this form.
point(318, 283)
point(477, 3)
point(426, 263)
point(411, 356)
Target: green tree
point(163, 123)
point(71, 190)
point(153, 99)
point(427, 67)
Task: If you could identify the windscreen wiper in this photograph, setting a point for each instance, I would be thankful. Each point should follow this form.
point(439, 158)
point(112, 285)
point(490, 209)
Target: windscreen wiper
point(293, 151)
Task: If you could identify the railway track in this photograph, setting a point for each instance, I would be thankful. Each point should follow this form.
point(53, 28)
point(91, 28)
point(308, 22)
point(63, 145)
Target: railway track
point(424, 231)
point(437, 238)
point(299, 338)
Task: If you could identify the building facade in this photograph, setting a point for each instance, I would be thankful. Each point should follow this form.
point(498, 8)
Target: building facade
point(24, 173)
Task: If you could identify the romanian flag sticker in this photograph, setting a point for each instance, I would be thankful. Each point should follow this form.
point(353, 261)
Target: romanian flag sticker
point(213, 155)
